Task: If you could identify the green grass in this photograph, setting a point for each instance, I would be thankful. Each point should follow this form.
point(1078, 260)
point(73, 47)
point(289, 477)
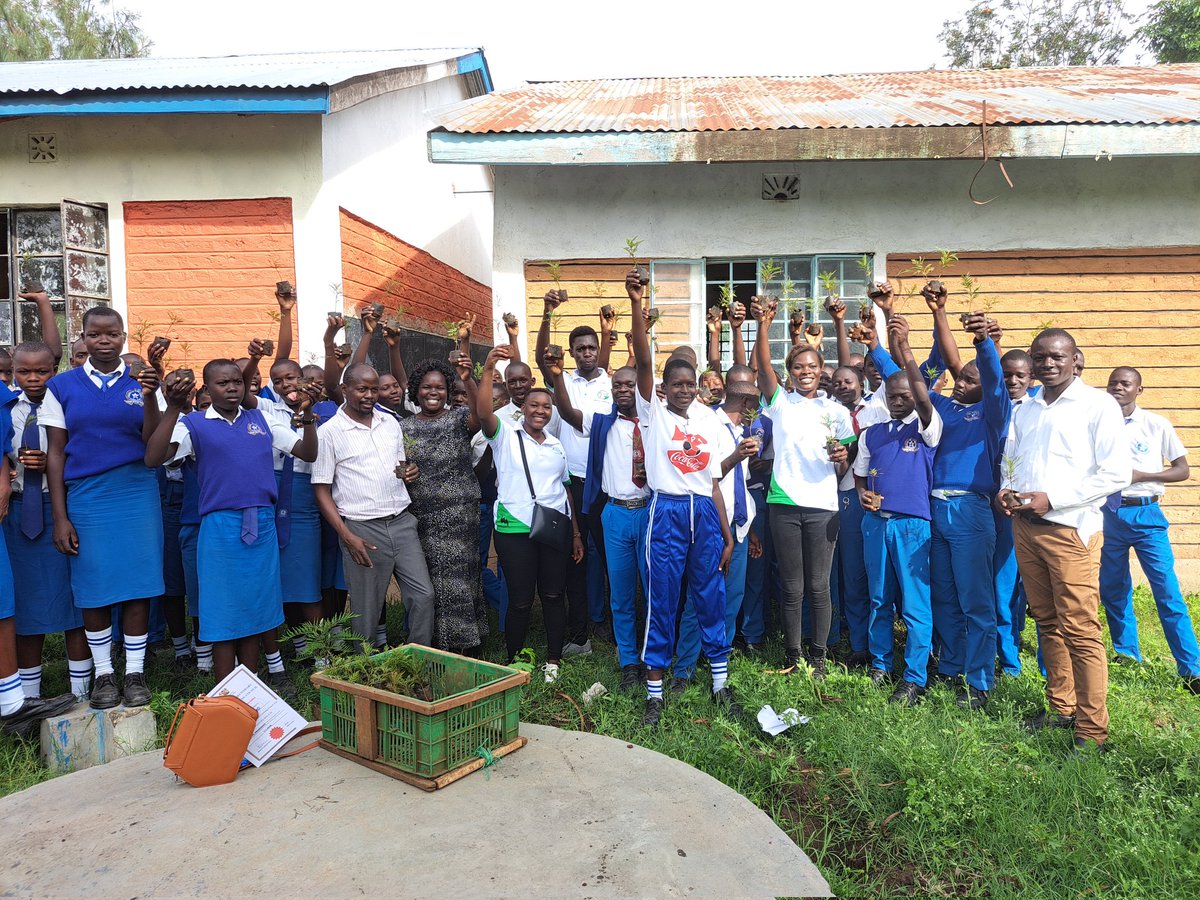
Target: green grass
point(893, 802)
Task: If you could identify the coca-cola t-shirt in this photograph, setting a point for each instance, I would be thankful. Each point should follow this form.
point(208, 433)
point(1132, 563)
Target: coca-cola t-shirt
point(681, 451)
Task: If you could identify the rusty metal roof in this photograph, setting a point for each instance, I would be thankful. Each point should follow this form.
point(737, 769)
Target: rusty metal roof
point(1145, 95)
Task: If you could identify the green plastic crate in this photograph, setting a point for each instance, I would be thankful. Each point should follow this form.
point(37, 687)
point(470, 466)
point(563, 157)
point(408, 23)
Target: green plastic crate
point(475, 704)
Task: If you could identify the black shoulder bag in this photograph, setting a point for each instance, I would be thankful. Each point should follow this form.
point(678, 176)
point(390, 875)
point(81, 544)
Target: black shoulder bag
point(549, 526)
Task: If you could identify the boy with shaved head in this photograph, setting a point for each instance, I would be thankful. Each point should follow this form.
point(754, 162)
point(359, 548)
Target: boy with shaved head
point(1134, 519)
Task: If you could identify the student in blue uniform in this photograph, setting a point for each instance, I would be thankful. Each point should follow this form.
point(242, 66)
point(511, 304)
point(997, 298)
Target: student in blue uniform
point(894, 473)
point(107, 515)
point(41, 575)
point(1134, 519)
point(688, 533)
point(238, 550)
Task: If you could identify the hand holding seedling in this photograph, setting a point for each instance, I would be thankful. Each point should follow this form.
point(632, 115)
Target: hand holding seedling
point(634, 287)
point(935, 295)
point(870, 500)
point(178, 389)
point(256, 348)
point(553, 298)
point(462, 364)
point(32, 460)
point(838, 455)
point(712, 320)
point(815, 335)
point(407, 472)
point(38, 296)
point(369, 319)
point(148, 379)
point(763, 308)
point(512, 325)
point(465, 328)
point(747, 448)
point(976, 324)
point(608, 318)
point(554, 360)
point(836, 309)
point(885, 299)
point(285, 299)
point(496, 354)
point(737, 313)
point(155, 355)
point(796, 325)
point(1034, 503)
point(334, 323)
point(391, 333)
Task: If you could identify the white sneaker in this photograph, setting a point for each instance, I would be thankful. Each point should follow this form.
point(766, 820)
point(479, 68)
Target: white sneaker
point(550, 670)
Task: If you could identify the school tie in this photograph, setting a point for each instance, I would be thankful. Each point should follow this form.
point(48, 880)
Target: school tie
point(638, 474)
point(31, 506)
point(106, 380)
point(739, 487)
point(250, 525)
point(283, 507)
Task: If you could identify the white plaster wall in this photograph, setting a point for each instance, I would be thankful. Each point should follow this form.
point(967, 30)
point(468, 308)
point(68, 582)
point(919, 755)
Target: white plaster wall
point(114, 159)
point(691, 211)
point(376, 165)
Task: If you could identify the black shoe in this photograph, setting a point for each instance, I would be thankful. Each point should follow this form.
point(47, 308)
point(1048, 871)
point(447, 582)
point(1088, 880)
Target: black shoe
point(1047, 719)
point(1085, 747)
point(858, 660)
point(631, 677)
point(1192, 683)
point(281, 684)
point(185, 663)
point(818, 666)
point(1123, 659)
point(724, 699)
point(937, 679)
point(907, 693)
point(791, 662)
point(27, 719)
point(654, 710)
point(971, 698)
point(679, 685)
point(136, 692)
point(105, 694)
point(879, 676)
point(751, 651)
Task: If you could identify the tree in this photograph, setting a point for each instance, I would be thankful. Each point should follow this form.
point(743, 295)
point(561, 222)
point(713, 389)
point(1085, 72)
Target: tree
point(1172, 31)
point(68, 29)
point(1008, 33)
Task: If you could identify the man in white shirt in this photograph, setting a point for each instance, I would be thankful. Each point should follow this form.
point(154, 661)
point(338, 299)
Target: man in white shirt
point(1067, 453)
point(359, 481)
point(1134, 519)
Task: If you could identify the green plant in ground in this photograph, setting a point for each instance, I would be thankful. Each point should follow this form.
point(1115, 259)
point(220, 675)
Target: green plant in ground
point(326, 638)
point(524, 661)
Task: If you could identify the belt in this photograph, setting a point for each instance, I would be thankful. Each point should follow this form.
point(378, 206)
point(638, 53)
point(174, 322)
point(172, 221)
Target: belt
point(1038, 520)
point(635, 503)
point(1138, 501)
point(954, 495)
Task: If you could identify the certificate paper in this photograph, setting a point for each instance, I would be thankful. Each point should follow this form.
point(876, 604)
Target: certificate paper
point(277, 722)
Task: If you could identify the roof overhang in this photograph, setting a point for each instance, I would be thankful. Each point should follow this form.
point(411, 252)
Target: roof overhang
point(1075, 141)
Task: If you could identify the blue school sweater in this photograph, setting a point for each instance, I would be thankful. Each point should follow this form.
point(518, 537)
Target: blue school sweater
point(235, 464)
point(905, 467)
point(968, 455)
point(104, 428)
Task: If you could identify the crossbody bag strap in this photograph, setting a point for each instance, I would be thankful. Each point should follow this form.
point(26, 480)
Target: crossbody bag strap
point(525, 462)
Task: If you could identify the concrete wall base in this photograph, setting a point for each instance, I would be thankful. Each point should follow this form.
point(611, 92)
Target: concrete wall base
point(84, 737)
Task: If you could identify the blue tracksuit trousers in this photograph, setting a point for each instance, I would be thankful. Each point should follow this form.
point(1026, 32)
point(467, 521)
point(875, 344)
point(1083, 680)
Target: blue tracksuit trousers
point(896, 552)
point(1010, 598)
point(687, 651)
point(848, 580)
point(962, 587)
point(625, 555)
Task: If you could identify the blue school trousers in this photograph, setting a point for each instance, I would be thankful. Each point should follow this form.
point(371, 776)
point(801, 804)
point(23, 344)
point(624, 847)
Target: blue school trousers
point(1010, 598)
point(624, 548)
point(962, 587)
point(1144, 529)
point(495, 591)
point(684, 536)
point(762, 575)
point(896, 553)
point(848, 580)
point(687, 651)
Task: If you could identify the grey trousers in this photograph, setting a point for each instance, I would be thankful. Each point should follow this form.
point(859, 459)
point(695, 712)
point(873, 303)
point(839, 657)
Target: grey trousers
point(397, 551)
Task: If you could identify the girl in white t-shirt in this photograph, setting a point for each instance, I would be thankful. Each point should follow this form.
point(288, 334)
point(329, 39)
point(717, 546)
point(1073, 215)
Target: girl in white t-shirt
point(688, 529)
point(529, 566)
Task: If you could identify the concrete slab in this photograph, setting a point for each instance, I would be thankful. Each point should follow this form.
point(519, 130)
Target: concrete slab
point(570, 814)
point(83, 737)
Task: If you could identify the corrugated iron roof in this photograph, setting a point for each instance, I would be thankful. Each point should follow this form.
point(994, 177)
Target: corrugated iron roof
point(1099, 95)
point(265, 71)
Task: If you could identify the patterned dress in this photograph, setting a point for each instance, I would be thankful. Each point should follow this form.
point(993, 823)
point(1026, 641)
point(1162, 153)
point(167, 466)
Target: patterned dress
point(445, 500)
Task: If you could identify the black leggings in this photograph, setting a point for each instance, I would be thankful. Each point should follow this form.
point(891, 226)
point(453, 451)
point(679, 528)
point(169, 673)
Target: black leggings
point(531, 567)
point(803, 539)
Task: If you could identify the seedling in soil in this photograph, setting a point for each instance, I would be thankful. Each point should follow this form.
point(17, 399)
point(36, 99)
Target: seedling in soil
point(554, 352)
point(325, 639)
point(136, 368)
point(179, 375)
point(377, 310)
point(874, 498)
point(283, 288)
point(727, 295)
point(343, 351)
point(160, 341)
point(509, 319)
point(610, 316)
point(33, 286)
point(947, 258)
point(831, 426)
point(451, 329)
point(797, 317)
point(268, 348)
point(769, 271)
point(391, 326)
point(1008, 494)
point(477, 371)
point(653, 314)
point(829, 281)
point(554, 267)
point(920, 267)
point(631, 247)
point(410, 447)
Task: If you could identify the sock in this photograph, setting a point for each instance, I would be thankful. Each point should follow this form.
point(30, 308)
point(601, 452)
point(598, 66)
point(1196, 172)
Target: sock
point(719, 674)
point(79, 671)
point(135, 653)
point(653, 689)
point(31, 681)
point(204, 657)
point(183, 646)
point(300, 645)
point(275, 662)
point(380, 634)
point(11, 695)
point(100, 643)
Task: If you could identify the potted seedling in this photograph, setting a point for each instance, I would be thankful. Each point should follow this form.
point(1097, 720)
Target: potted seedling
point(179, 376)
point(829, 281)
point(1008, 493)
point(554, 355)
point(726, 295)
point(831, 438)
point(554, 267)
point(652, 314)
point(377, 310)
point(769, 272)
point(161, 341)
point(268, 347)
point(631, 249)
point(872, 499)
point(283, 288)
point(509, 319)
point(136, 368)
point(816, 331)
point(866, 266)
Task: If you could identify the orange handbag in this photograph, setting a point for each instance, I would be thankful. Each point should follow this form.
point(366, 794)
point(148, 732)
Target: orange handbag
point(208, 739)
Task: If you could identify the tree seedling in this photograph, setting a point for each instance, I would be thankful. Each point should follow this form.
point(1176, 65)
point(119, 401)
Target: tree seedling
point(631, 248)
point(477, 371)
point(947, 258)
point(831, 426)
point(829, 281)
point(325, 639)
point(268, 347)
point(866, 266)
point(920, 267)
point(873, 499)
point(598, 288)
point(727, 295)
point(451, 329)
point(1008, 494)
point(509, 319)
point(653, 314)
point(769, 271)
point(554, 267)
point(554, 352)
point(283, 288)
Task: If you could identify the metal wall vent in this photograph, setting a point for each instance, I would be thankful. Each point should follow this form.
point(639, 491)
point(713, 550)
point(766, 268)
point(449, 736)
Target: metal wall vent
point(43, 148)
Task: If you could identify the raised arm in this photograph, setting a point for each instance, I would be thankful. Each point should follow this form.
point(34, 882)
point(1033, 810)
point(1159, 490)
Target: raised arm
point(335, 364)
point(643, 356)
point(712, 324)
point(254, 352)
point(936, 301)
point(737, 315)
point(160, 448)
point(465, 329)
point(392, 337)
point(466, 371)
point(837, 311)
point(898, 332)
point(483, 399)
point(562, 397)
point(513, 330)
point(763, 310)
point(607, 337)
point(551, 301)
point(47, 321)
point(997, 407)
point(283, 342)
point(370, 322)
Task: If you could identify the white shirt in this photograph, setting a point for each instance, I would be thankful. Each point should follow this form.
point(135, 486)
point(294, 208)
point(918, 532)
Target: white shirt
point(681, 451)
point(20, 415)
point(278, 412)
point(359, 462)
point(616, 479)
point(931, 434)
point(589, 398)
point(1152, 439)
point(283, 439)
point(1075, 451)
point(726, 444)
point(512, 414)
point(547, 470)
point(803, 474)
point(51, 414)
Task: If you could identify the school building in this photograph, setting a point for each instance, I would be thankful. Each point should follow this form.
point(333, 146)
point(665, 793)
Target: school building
point(853, 178)
point(181, 190)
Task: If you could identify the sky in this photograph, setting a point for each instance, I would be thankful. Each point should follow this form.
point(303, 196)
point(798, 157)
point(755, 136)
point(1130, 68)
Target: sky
point(537, 40)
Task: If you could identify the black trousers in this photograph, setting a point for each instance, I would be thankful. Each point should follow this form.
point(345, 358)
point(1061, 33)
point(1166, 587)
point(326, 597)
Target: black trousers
point(578, 617)
point(804, 539)
point(529, 568)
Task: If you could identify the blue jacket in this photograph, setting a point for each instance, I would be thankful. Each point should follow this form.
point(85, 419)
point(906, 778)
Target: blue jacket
point(602, 424)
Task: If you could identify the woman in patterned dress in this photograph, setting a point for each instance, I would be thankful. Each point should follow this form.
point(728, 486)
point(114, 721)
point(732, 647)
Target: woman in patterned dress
point(445, 500)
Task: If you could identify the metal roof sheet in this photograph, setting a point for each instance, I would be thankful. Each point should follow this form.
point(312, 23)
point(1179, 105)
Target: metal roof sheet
point(265, 71)
point(1102, 95)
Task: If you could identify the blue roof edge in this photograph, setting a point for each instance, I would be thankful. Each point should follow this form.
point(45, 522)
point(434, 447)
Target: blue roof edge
point(314, 100)
point(477, 62)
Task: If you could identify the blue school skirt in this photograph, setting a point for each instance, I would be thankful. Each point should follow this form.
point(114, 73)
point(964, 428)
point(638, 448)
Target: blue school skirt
point(7, 600)
point(239, 582)
point(41, 575)
point(300, 560)
point(171, 496)
point(118, 517)
point(188, 537)
point(332, 573)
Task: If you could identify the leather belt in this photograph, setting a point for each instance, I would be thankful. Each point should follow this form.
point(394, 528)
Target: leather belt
point(636, 503)
point(1138, 501)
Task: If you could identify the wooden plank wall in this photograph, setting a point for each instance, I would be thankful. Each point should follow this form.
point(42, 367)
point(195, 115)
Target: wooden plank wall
point(203, 273)
point(1137, 307)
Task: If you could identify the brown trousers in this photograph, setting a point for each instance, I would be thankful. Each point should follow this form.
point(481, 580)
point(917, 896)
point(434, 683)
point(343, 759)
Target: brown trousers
point(1062, 584)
